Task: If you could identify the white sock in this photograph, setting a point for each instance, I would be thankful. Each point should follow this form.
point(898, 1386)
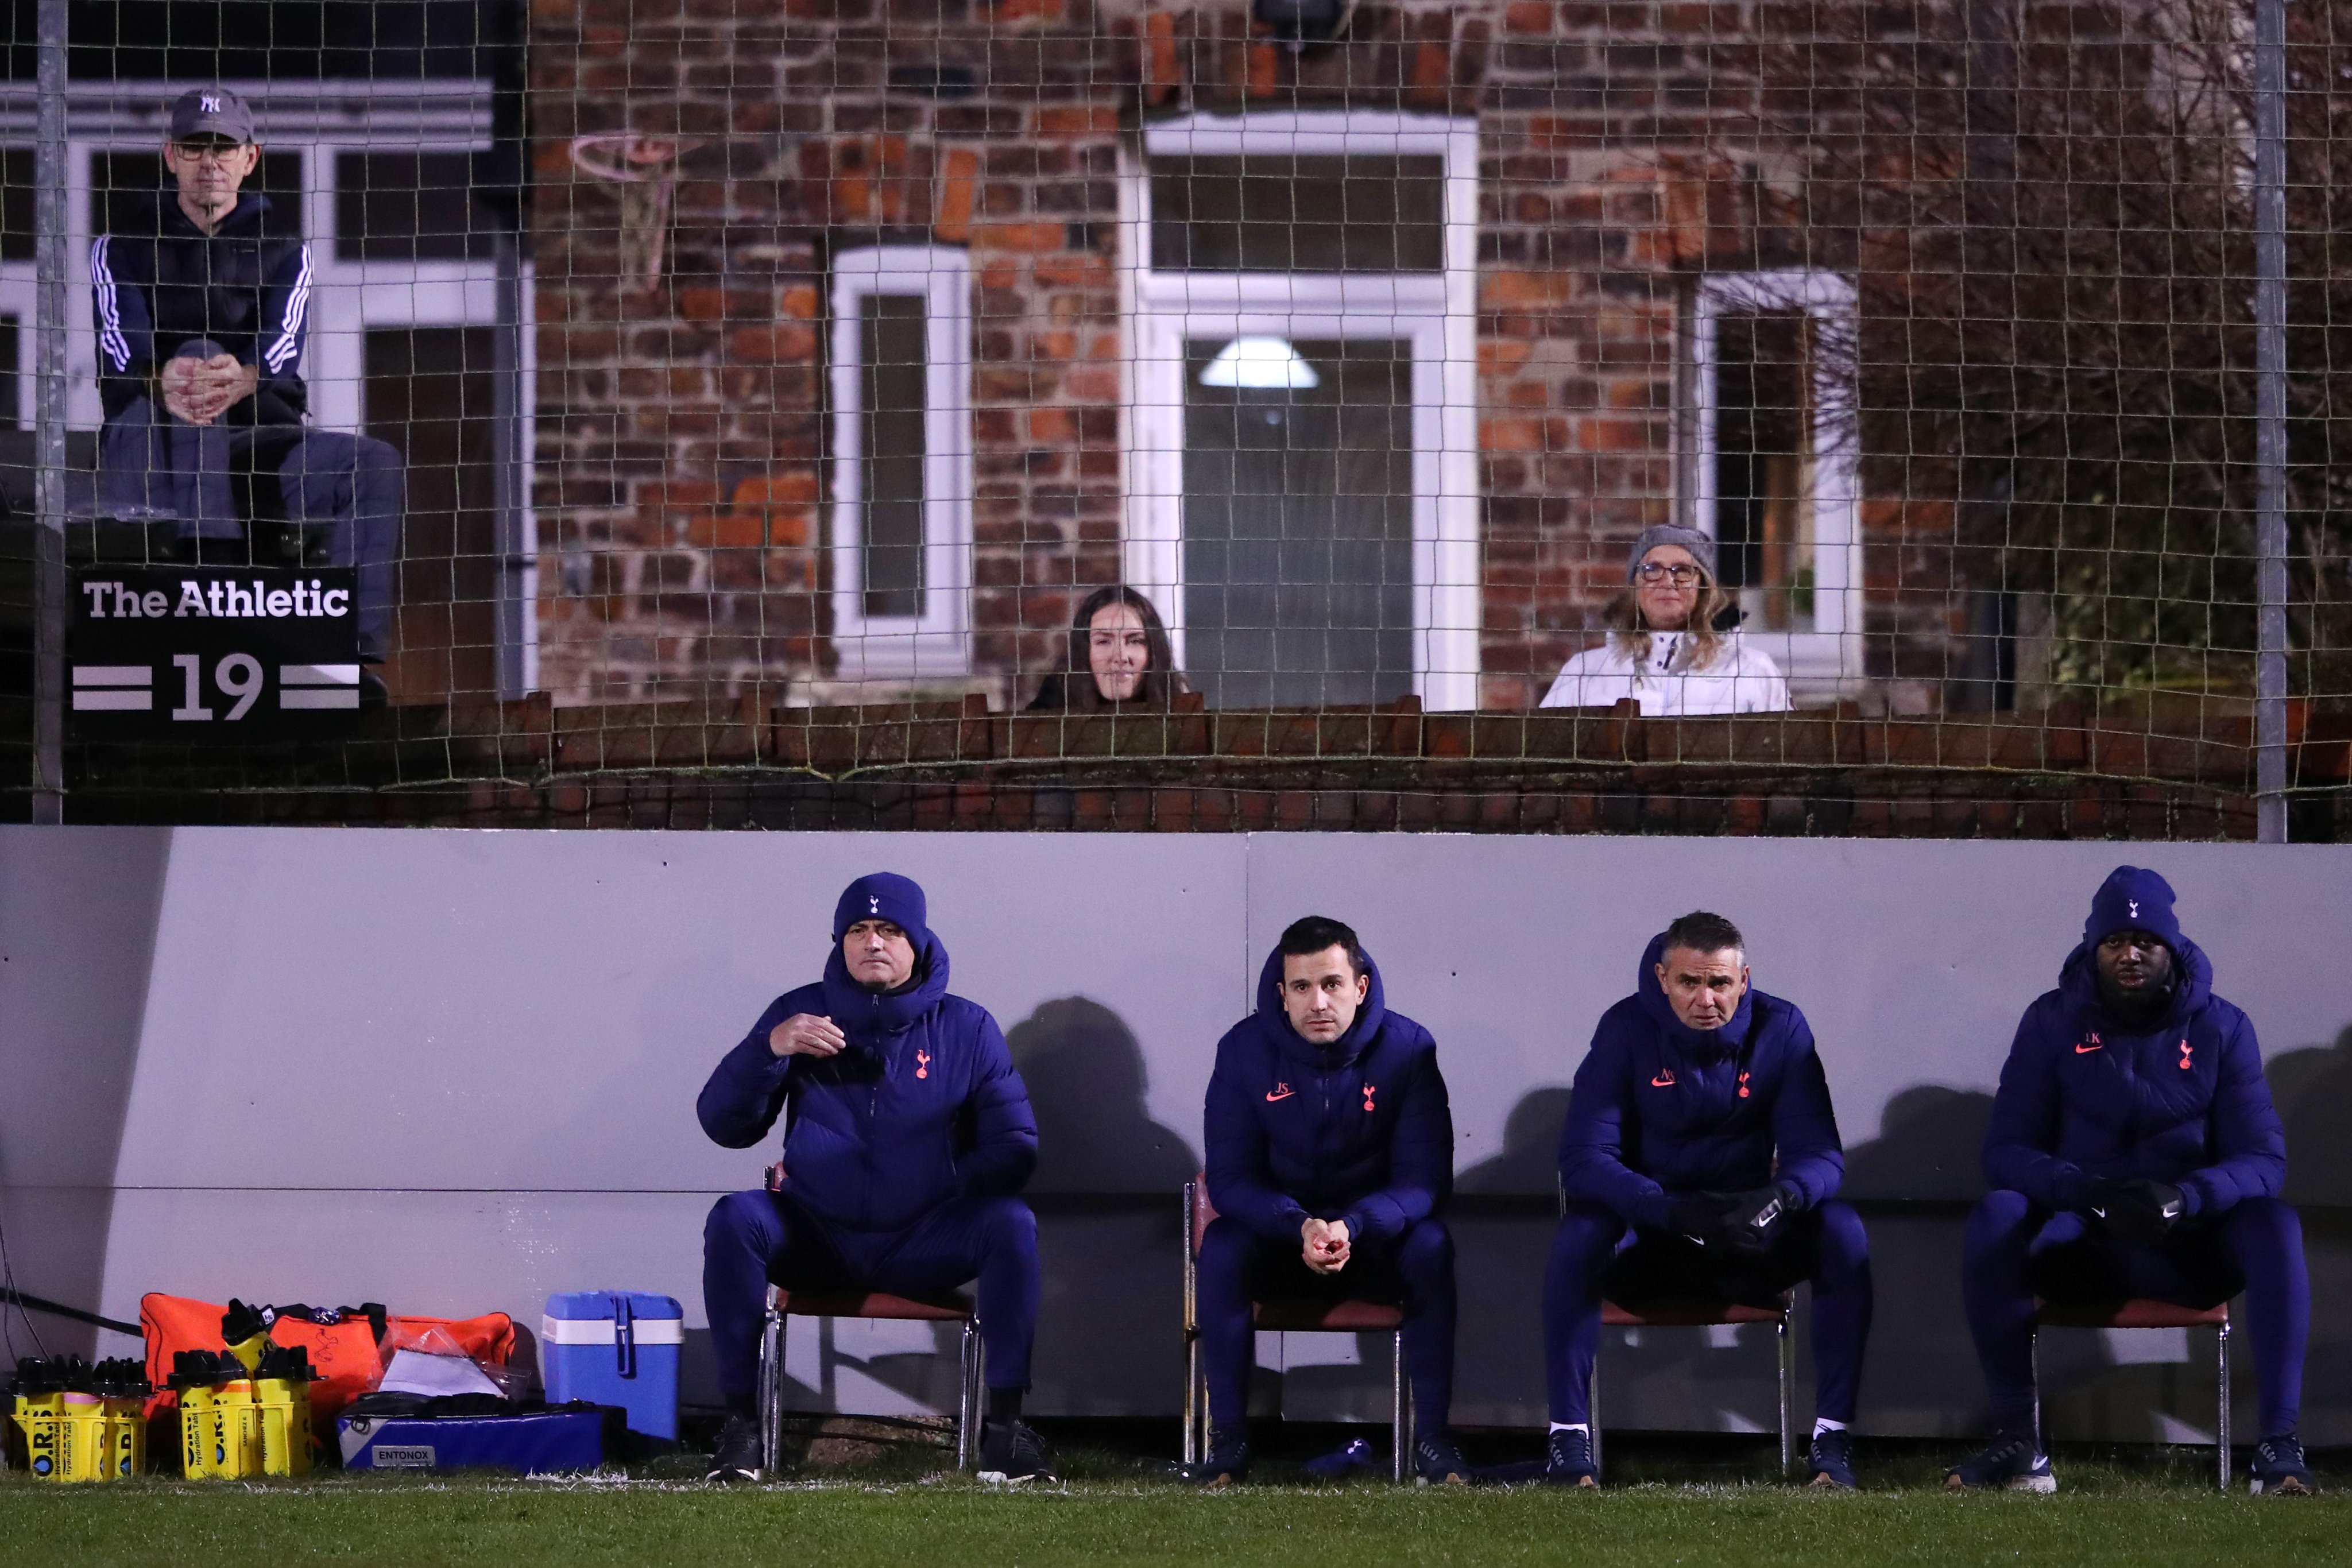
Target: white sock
point(1571, 1427)
point(1826, 1425)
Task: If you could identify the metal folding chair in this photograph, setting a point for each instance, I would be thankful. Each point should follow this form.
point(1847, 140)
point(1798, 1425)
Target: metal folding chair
point(784, 1303)
point(2141, 1312)
point(1286, 1317)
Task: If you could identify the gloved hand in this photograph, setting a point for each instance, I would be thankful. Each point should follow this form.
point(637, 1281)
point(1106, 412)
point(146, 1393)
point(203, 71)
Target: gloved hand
point(1752, 1218)
point(1698, 1216)
point(2140, 1212)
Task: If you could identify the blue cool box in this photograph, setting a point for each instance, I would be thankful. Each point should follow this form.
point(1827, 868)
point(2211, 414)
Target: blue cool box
point(555, 1441)
point(614, 1347)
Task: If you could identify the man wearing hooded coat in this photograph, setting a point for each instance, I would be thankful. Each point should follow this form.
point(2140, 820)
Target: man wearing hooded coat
point(1303, 1138)
point(908, 1134)
point(1702, 1163)
point(2133, 1152)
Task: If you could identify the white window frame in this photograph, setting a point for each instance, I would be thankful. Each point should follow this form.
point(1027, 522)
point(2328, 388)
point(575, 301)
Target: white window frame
point(1831, 652)
point(937, 643)
point(1435, 313)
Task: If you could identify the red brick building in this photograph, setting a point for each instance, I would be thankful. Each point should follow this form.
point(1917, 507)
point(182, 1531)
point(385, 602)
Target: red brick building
point(958, 310)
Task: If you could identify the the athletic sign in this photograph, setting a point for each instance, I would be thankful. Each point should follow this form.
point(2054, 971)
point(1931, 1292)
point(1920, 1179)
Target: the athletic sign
point(218, 654)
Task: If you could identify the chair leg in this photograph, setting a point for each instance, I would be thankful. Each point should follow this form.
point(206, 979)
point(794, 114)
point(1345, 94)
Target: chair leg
point(2221, 1432)
point(1193, 1402)
point(1400, 1412)
point(1788, 1397)
point(772, 1392)
point(968, 1409)
point(2033, 1365)
point(1592, 1410)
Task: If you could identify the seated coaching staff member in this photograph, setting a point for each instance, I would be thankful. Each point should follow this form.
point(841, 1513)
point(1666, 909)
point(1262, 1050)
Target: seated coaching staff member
point(2134, 1151)
point(1330, 1150)
point(1701, 1158)
point(910, 1131)
point(202, 309)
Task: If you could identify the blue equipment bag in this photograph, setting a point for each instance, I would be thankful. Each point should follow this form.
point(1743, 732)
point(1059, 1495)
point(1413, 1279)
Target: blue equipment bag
point(614, 1347)
point(552, 1440)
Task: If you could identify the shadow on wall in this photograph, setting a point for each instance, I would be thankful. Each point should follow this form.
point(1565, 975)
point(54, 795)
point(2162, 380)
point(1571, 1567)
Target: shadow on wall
point(2312, 1087)
point(1084, 1072)
point(1930, 1146)
point(1529, 1162)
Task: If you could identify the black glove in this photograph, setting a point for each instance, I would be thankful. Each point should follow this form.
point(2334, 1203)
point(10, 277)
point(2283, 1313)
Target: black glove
point(1697, 1217)
point(2140, 1212)
point(1752, 1218)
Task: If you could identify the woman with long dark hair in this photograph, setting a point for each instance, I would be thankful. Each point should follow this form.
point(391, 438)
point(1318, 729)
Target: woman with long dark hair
point(1118, 657)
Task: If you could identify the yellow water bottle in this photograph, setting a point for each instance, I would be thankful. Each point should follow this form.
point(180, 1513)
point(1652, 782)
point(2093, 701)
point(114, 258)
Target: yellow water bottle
point(40, 1397)
point(281, 1394)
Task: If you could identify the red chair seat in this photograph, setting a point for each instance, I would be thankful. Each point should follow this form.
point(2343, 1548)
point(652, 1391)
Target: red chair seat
point(1335, 1317)
point(870, 1304)
point(2139, 1312)
point(1688, 1314)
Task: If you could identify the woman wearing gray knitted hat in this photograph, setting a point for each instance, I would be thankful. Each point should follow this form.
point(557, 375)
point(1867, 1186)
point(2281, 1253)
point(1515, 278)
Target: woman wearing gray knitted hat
point(1664, 648)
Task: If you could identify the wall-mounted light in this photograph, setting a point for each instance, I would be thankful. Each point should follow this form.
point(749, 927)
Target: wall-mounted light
point(1260, 364)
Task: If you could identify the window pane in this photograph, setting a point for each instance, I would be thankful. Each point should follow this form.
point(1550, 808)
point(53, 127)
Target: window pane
point(893, 396)
point(123, 187)
point(1763, 514)
point(1299, 530)
point(1254, 213)
point(15, 203)
point(12, 409)
point(407, 206)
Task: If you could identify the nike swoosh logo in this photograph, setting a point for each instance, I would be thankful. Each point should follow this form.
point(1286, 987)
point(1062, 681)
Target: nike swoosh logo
point(1662, 1080)
point(2086, 1050)
point(1283, 1095)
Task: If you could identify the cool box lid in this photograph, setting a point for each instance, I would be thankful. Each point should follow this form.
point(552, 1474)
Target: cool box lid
point(593, 1317)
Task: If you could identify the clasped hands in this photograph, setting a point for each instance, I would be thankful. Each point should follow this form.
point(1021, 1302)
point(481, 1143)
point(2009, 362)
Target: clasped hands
point(200, 391)
point(2140, 1212)
point(1325, 1244)
point(1739, 1221)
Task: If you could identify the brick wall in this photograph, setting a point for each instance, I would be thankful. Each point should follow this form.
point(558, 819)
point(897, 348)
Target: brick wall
point(681, 474)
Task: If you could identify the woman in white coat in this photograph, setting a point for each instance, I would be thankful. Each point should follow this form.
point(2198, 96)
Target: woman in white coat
point(1664, 649)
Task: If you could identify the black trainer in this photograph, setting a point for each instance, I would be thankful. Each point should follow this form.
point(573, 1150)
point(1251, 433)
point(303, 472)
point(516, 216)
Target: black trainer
point(737, 1456)
point(1227, 1464)
point(1832, 1460)
point(1568, 1460)
point(1011, 1452)
point(2280, 1469)
point(1437, 1461)
point(2012, 1460)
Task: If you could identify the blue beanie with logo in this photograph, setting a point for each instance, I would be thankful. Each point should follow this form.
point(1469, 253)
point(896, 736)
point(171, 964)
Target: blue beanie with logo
point(884, 895)
point(2133, 898)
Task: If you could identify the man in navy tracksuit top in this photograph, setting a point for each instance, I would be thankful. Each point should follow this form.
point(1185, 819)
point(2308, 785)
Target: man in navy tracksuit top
point(202, 307)
point(2133, 1152)
point(1331, 1151)
point(906, 1136)
point(1700, 1162)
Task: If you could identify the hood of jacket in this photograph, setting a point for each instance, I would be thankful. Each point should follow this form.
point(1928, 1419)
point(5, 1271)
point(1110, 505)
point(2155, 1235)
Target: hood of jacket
point(1704, 1044)
point(1274, 1023)
point(2192, 988)
point(869, 1018)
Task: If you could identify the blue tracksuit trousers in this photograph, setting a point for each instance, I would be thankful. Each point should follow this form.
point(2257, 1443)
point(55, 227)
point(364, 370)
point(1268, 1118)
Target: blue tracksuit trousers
point(1596, 1254)
point(2016, 1250)
point(756, 1238)
point(1414, 1271)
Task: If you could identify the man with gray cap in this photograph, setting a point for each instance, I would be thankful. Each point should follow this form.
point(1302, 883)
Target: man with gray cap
point(1664, 649)
point(201, 307)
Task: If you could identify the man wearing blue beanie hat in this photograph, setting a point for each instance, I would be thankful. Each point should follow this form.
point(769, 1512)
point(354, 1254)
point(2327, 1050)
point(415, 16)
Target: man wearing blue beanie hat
point(2134, 1153)
point(909, 1134)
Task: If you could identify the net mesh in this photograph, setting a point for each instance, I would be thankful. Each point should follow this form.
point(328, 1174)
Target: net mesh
point(1040, 414)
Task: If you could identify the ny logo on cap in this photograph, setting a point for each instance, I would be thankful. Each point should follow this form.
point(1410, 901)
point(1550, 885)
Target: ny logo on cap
point(208, 105)
point(2134, 912)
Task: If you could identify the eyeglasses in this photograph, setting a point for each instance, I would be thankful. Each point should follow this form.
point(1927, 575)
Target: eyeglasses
point(1682, 574)
point(208, 152)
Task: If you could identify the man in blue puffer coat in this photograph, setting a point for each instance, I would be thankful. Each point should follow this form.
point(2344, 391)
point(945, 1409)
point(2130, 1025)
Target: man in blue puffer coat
point(1700, 1163)
point(1331, 1151)
point(908, 1134)
point(2133, 1152)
